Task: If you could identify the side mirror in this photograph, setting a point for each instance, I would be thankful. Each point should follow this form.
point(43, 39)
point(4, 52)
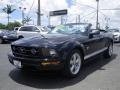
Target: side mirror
point(94, 32)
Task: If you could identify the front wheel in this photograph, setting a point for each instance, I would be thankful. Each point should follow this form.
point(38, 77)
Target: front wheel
point(109, 52)
point(74, 63)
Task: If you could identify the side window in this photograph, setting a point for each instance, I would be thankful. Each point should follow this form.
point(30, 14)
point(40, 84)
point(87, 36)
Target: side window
point(28, 29)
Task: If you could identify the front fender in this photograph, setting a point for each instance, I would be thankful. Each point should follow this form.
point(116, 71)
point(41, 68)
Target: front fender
point(69, 46)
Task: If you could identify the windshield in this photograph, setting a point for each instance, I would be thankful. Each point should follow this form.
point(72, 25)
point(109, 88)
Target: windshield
point(70, 29)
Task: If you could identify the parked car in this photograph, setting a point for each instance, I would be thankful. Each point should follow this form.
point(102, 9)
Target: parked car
point(1, 30)
point(65, 48)
point(30, 31)
point(116, 34)
point(7, 36)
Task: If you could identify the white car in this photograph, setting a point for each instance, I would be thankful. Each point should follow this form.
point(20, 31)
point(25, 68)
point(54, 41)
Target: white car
point(30, 31)
point(116, 34)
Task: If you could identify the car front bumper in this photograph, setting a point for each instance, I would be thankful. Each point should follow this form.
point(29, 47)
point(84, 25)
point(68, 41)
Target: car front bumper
point(7, 39)
point(38, 64)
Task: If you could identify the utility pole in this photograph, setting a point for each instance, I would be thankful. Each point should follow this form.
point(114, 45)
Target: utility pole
point(107, 22)
point(39, 14)
point(49, 19)
point(78, 18)
point(23, 14)
point(97, 19)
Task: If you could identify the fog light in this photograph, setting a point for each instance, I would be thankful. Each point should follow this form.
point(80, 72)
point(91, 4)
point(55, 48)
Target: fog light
point(50, 63)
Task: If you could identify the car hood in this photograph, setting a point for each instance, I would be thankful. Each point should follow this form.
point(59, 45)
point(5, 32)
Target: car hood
point(46, 40)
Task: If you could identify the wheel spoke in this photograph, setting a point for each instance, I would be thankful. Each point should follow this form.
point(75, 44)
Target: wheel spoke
point(74, 57)
point(72, 68)
point(76, 67)
point(77, 61)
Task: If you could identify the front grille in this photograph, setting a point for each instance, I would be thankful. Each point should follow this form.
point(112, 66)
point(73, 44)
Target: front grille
point(29, 52)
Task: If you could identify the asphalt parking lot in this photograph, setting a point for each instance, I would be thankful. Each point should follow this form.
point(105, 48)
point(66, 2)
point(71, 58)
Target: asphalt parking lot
point(99, 74)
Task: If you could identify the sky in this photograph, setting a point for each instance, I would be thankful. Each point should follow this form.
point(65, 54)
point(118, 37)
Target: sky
point(86, 9)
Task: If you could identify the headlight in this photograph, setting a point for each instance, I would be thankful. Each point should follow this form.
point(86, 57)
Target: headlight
point(49, 52)
point(52, 52)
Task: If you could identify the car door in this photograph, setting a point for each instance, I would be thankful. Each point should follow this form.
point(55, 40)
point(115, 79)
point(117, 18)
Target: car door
point(92, 45)
point(100, 40)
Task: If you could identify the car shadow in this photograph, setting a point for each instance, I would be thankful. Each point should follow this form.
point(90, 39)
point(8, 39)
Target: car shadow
point(55, 80)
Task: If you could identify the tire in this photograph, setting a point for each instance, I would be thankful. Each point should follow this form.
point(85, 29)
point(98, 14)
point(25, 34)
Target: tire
point(73, 64)
point(109, 52)
point(1, 40)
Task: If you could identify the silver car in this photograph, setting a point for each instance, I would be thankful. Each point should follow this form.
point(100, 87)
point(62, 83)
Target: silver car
point(116, 34)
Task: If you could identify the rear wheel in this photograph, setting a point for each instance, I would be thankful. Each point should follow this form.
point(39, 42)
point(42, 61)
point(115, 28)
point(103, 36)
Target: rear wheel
point(1, 40)
point(74, 63)
point(109, 52)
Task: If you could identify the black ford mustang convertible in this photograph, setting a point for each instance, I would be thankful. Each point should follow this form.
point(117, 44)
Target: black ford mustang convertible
point(65, 48)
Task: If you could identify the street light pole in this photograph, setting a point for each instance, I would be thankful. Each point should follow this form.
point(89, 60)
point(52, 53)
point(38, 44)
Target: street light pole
point(39, 14)
point(23, 15)
point(78, 18)
point(97, 19)
point(49, 19)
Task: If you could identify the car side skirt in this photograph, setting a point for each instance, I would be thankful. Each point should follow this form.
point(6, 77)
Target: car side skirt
point(95, 53)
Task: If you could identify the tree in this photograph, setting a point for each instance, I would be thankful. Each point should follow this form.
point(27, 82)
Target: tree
point(11, 25)
point(2, 26)
point(27, 20)
point(8, 9)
